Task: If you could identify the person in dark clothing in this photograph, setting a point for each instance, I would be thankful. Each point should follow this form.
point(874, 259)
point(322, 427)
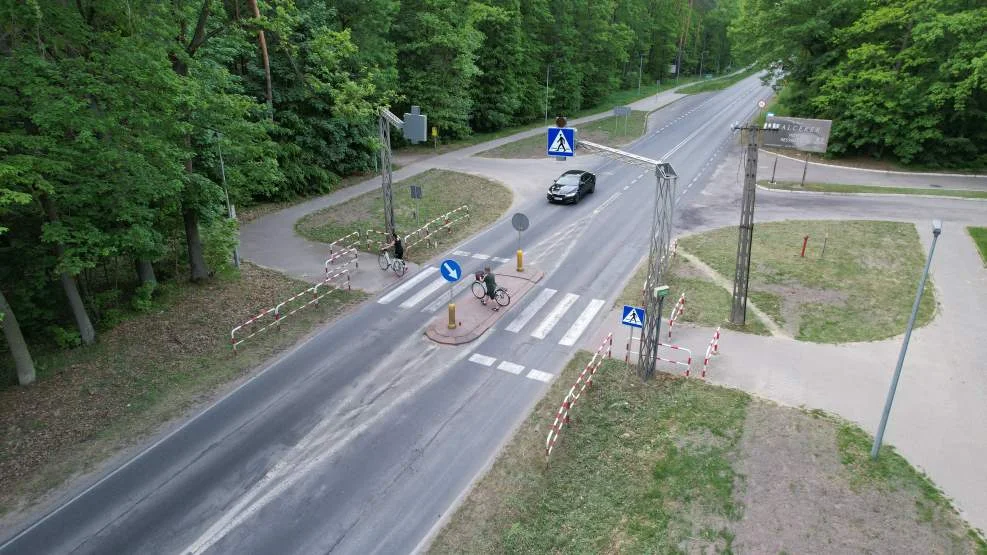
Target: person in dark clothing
point(398, 247)
point(490, 283)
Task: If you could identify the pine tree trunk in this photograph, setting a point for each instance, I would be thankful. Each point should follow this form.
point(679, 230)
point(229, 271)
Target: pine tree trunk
point(71, 287)
point(264, 57)
point(15, 340)
point(196, 260)
point(145, 272)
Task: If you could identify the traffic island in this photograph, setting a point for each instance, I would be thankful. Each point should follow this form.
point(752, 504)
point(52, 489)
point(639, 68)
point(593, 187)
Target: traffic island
point(472, 317)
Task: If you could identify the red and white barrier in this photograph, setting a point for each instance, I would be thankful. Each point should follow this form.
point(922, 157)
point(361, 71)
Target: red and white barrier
point(584, 380)
point(673, 316)
point(344, 249)
point(712, 349)
point(290, 306)
point(687, 362)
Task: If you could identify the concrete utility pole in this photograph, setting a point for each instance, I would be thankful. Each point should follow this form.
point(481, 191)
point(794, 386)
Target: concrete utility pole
point(741, 278)
point(936, 230)
point(661, 237)
point(548, 71)
point(640, 68)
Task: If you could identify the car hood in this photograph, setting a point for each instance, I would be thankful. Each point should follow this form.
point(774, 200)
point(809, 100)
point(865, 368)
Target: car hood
point(562, 189)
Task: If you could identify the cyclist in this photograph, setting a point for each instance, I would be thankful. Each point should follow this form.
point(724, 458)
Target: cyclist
point(398, 247)
point(491, 283)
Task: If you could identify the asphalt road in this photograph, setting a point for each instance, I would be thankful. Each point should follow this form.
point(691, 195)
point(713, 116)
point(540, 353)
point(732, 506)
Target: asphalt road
point(359, 440)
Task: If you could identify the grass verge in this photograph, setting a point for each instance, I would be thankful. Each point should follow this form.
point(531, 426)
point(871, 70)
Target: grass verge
point(860, 289)
point(442, 191)
point(979, 236)
point(707, 304)
point(91, 402)
point(873, 189)
point(718, 84)
point(644, 467)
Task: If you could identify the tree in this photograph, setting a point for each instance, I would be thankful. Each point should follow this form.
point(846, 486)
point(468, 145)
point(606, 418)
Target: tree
point(23, 362)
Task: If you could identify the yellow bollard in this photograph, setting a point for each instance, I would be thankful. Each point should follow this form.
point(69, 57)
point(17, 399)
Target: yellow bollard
point(520, 260)
point(452, 316)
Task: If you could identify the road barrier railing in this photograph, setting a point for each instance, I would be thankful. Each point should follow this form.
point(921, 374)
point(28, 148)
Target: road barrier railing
point(345, 250)
point(673, 316)
point(687, 362)
point(272, 317)
point(711, 350)
point(584, 380)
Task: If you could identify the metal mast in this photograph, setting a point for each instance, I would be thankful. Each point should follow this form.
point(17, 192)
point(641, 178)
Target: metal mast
point(741, 278)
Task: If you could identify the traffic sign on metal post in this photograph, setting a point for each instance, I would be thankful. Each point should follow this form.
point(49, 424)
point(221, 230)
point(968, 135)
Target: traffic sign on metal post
point(633, 316)
point(561, 141)
point(451, 270)
point(520, 223)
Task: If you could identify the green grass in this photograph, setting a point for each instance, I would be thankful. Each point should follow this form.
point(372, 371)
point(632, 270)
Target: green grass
point(861, 290)
point(769, 303)
point(840, 188)
point(442, 191)
point(979, 236)
point(707, 304)
point(718, 84)
point(891, 472)
point(609, 131)
point(643, 467)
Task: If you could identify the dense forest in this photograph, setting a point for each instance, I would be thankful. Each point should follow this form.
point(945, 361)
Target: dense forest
point(901, 79)
point(124, 124)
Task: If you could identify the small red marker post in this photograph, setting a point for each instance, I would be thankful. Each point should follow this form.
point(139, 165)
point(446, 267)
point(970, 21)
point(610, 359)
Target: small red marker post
point(805, 241)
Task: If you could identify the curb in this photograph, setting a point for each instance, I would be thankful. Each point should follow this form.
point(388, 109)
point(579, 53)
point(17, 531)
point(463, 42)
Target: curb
point(890, 172)
point(838, 194)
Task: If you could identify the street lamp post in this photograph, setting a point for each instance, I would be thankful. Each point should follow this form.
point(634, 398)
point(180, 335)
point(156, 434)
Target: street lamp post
point(230, 211)
point(936, 230)
point(548, 71)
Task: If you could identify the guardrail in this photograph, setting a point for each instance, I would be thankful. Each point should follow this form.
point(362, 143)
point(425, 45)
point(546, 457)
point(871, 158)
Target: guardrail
point(288, 307)
point(344, 248)
point(584, 380)
point(687, 363)
point(712, 349)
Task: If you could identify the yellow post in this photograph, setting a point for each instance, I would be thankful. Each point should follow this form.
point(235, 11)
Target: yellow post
point(520, 260)
point(452, 316)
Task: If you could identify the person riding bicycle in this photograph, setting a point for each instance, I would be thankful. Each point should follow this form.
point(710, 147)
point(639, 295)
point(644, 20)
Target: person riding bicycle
point(398, 247)
point(490, 283)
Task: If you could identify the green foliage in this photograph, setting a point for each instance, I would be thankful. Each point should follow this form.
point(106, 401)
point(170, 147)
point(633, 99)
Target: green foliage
point(142, 301)
point(979, 236)
point(65, 339)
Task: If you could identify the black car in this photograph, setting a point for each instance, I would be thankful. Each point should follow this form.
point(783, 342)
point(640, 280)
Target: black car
point(572, 186)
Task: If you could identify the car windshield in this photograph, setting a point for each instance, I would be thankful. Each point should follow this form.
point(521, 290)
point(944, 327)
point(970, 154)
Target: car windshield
point(568, 179)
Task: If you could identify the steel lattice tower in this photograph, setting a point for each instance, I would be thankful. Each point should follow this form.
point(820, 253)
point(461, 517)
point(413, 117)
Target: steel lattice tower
point(738, 313)
point(658, 260)
point(384, 127)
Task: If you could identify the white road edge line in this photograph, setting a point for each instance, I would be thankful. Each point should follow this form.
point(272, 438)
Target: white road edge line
point(398, 291)
point(579, 326)
point(482, 359)
point(554, 316)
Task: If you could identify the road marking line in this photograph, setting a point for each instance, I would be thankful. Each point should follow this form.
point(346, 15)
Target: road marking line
point(501, 260)
point(424, 293)
point(438, 303)
point(461, 253)
point(482, 359)
point(482, 256)
point(607, 202)
point(530, 310)
point(397, 292)
point(554, 316)
point(579, 326)
point(510, 367)
point(539, 375)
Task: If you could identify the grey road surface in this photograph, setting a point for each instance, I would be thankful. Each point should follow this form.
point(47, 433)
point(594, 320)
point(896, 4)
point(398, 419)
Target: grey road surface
point(361, 439)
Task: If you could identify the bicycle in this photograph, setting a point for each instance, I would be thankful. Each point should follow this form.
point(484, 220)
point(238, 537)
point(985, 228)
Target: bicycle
point(385, 261)
point(501, 295)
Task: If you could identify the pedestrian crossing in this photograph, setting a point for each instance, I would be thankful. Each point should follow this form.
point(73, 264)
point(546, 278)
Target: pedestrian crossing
point(540, 318)
point(511, 368)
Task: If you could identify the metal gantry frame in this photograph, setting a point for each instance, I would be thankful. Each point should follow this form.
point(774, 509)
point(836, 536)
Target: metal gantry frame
point(658, 254)
point(742, 273)
point(384, 123)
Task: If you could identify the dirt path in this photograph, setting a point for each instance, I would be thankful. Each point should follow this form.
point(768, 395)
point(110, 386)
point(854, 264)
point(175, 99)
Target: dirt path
point(799, 497)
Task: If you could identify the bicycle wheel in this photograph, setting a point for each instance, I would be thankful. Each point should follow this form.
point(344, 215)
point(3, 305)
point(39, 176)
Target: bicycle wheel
point(399, 267)
point(382, 260)
point(478, 289)
point(501, 296)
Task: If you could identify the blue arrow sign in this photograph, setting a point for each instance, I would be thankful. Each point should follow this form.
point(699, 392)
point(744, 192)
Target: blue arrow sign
point(451, 270)
point(633, 316)
point(561, 141)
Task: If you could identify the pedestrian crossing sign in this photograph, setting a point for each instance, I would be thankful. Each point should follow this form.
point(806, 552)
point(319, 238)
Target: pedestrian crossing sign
point(633, 316)
point(561, 141)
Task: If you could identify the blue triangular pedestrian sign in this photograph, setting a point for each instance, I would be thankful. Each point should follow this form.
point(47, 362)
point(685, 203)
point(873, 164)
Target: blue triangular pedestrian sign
point(561, 141)
point(633, 316)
